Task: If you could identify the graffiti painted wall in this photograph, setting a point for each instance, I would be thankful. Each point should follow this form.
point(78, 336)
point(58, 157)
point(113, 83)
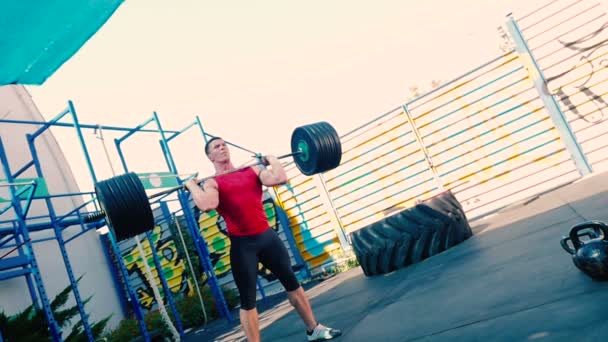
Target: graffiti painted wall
point(490, 139)
point(172, 262)
point(310, 217)
point(383, 170)
point(169, 249)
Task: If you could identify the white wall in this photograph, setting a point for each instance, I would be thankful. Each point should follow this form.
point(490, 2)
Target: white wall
point(85, 252)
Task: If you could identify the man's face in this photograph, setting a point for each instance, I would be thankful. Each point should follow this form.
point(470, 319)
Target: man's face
point(218, 151)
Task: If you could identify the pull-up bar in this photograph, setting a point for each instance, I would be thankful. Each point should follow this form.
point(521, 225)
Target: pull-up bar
point(67, 124)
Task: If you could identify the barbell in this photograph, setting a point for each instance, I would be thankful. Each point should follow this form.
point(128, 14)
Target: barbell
point(315, 148)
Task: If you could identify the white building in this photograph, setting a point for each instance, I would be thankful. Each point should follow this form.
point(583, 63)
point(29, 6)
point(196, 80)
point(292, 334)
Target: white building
point(86, 254)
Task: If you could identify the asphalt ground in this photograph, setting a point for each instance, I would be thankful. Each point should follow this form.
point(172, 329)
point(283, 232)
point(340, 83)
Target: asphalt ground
point(511, 281)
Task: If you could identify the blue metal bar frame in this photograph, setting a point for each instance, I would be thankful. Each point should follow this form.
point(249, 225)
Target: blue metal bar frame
point(23, 169)
point(83, 145)
point(43, 240)
point(161, 275)
point(261, 289)
point(10, 235)
point(139, 314)
point(105, 241)
point(559, 118)
point(59, 236)
point(133, 131)
point(118, 141)
point(83, 232)
point(181, 131)
point(68, 194)
point(29, 251)
point(15, 273)
point(36, 227)
point(164, 209)
point(30, 197)
point(199, 241)
point(47, 124)
point(205, 135)
point(18, 195)
point(65, 223)
point(200, 127)
point(284, 220)
point(29, 218)
point(32, 241)
point(30, 284)
point(75, 210)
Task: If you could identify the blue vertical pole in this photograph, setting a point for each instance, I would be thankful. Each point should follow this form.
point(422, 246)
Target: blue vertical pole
point(199, 241)
point(30, 284)
point(200, 127)
point(60, 241)
point(157, 264)
point(203, 252)
point(559, 118)
point(164, 208)
point(261, 288)
point(120, 154)
point(165, 147)
point(22, 229)
point(118, 141)
point(132, 296)
point(117, 285)
point(112, 241)
point(282, 216)
point(83, 145)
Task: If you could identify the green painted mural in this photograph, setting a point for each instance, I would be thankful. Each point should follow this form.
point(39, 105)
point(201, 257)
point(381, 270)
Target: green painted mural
point(213, 228)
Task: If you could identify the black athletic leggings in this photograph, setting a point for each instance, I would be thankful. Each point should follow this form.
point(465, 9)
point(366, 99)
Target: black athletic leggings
point(266, 248)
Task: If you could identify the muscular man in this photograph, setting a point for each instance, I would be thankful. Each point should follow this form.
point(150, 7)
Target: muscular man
point(237, 197)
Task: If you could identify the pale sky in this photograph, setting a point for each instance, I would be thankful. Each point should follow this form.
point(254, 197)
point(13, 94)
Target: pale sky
point(253, 71)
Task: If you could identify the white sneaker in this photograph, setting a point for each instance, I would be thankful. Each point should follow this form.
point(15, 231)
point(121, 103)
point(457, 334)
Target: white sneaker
point(322, 333)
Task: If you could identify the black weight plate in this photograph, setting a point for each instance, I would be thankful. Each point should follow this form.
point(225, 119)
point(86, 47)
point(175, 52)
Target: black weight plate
point(334, 155)
point(111, 207)
point(101, 195)
point(120, 209)
point(140, 218)
point(124, 200)
point(302, 134)
point(324, 148)
point(322, 144)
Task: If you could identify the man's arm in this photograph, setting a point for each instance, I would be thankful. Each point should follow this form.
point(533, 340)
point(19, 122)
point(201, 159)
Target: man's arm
point(274, 175)
point(207, 198)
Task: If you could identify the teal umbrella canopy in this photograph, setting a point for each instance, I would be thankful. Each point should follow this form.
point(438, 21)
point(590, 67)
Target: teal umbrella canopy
point(38, 36)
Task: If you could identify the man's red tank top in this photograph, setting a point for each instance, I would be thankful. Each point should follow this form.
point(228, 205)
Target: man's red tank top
point(241, 204)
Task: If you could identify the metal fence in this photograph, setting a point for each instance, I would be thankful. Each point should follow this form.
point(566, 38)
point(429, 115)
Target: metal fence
point(506, 131)
point(569, 40)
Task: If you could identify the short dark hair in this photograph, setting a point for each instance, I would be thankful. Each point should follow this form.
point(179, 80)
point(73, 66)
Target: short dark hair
point(209, 143)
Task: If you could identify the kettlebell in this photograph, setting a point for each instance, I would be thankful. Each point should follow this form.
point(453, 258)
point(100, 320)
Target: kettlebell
point(590, 256)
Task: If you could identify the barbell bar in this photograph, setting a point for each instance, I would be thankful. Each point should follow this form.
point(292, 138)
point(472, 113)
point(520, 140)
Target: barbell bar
point(316, 148)
point(202, 180)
